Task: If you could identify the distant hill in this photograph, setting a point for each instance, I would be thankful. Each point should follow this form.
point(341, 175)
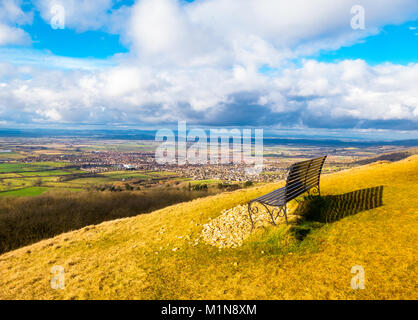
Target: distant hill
point(133, 134)
point(159, 255)
point(391, 156)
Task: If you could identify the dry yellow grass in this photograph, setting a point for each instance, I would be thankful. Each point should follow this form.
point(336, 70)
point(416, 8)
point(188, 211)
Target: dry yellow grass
point(155, 256)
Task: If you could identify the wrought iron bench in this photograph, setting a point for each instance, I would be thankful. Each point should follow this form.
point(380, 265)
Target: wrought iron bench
point(302, 177)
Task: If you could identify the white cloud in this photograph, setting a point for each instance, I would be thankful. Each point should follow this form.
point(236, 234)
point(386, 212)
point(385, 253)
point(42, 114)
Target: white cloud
point(11, 15)
point(10, 35)
point(224, 32)
point(347, 93)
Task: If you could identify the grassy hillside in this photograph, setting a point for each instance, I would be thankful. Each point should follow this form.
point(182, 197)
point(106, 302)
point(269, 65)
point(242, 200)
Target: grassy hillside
point(156, 256)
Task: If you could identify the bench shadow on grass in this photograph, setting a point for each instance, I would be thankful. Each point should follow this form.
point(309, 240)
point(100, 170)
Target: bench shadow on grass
point(315, 211)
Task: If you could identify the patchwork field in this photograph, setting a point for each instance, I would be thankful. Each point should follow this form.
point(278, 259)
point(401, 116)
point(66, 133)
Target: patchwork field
point(25, 192)
point(161, 255)
point(30, 179)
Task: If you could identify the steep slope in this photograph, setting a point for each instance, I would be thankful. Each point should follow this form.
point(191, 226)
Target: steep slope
point(158, 256)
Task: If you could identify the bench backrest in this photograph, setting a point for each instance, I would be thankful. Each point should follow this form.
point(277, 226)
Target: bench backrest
point(303, 176)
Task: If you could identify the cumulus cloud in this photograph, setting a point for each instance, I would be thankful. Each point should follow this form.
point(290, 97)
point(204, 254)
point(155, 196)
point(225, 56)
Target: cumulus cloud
point(346, 94)
point(253, 33)
point(201, 62)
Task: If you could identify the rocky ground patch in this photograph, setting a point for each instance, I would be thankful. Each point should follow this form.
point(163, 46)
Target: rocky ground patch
point(232, 227)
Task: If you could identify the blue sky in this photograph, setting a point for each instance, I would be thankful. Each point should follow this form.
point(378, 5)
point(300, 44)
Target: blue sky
point(70, 43)
point(272, 64)
point(394, 43)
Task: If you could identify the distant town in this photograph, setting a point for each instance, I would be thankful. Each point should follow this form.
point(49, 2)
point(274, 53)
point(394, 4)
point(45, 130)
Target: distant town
point(99, 157)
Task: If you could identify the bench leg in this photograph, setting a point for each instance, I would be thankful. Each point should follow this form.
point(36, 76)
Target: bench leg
point(249, 214)
point(255, 211)
point(282, 211)
point(285, 214)
point(271, 214)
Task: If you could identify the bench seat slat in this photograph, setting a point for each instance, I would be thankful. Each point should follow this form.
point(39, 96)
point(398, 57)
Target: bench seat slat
point(305, 182)
point(306, 166)
point(303, 176)
point(311, 170)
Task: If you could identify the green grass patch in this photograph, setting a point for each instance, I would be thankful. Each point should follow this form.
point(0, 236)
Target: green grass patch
point(25, 167)
point(26, 192)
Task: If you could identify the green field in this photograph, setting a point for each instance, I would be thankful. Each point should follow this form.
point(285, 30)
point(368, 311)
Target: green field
point(25, 167)
point(26, 192)
point(19, 167)
point(31, 179)
point(28, 179)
